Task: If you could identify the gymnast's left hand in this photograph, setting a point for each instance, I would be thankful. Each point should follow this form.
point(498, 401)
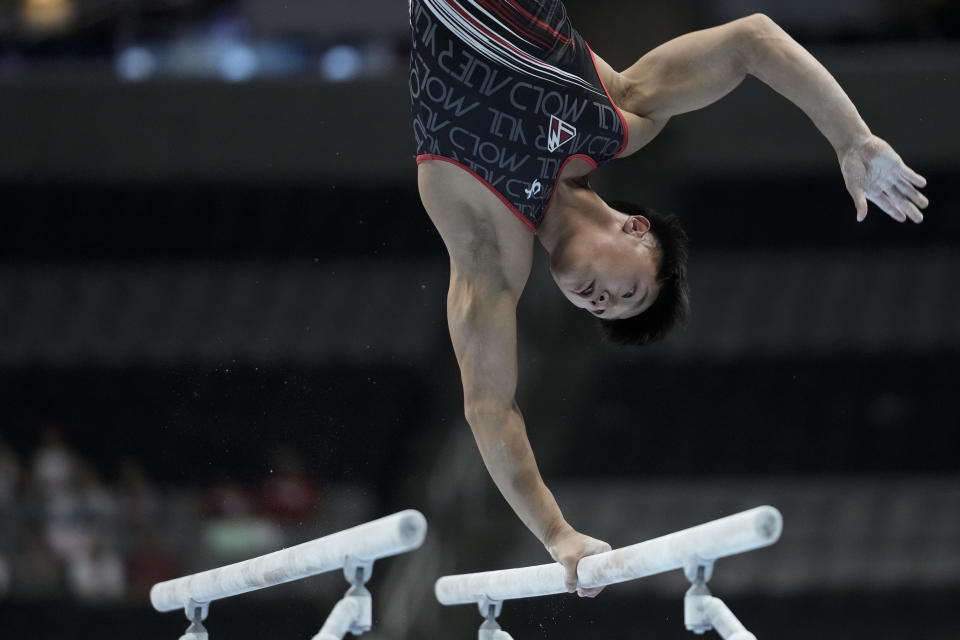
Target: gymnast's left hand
point(567, 547)
point(873, 171)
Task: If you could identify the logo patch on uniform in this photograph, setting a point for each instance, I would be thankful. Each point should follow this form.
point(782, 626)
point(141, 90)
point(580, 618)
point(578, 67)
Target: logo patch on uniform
point(559, 134)
point(533, 190)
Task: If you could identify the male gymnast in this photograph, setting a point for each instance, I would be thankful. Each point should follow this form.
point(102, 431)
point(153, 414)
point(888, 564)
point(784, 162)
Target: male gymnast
point(512, 111)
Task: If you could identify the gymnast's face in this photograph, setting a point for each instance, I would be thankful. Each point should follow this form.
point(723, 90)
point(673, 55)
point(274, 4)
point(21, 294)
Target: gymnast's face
point(612, 274)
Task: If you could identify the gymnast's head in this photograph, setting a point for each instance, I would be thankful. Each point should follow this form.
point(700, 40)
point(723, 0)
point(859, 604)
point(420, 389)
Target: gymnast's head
point(631, 275)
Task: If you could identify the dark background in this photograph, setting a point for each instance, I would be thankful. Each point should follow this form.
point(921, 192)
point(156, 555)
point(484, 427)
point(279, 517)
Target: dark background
point(222, 330)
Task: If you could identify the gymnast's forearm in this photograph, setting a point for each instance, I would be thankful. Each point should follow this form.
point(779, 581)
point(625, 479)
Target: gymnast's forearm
point(780, 62)
point(502, 439)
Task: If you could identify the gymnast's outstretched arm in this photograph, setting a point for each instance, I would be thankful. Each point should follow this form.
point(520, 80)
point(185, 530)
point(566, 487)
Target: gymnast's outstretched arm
point(696, 69)
point(481, 312)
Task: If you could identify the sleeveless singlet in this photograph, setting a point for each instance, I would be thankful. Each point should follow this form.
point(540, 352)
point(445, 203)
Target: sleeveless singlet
point(509, 91)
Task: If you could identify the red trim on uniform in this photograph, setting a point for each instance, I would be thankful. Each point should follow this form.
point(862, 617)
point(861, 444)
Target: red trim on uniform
point(556, 182)
point(623, 121)
point(497, 8)
point(424, 157)
point(526, 13)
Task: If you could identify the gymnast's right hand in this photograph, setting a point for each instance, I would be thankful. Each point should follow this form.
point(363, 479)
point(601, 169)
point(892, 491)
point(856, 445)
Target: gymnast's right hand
point(567, 546)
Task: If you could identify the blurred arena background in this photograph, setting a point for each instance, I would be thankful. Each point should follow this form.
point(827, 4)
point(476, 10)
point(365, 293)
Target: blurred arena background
point(222, 330)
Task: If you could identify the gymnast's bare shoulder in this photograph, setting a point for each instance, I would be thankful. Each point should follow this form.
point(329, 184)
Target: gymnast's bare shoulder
point(480, 234)
point(640, 129)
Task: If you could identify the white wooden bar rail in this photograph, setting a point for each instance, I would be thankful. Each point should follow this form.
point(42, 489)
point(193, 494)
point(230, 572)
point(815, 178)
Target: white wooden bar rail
point(388, 536)
point(745, 531)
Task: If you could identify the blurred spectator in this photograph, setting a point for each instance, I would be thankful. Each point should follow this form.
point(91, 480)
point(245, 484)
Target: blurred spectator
point(289, 495)
point(137, 499)
point(79, 514)
point(36, 573)
point(97, 574)
point(153, 562)
point(226, 497)
point(53, 464)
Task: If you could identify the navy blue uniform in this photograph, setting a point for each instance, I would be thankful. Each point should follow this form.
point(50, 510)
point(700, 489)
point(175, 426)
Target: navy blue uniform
point(508, 90)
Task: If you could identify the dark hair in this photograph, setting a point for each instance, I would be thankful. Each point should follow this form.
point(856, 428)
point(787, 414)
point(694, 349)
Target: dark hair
point(672, 306)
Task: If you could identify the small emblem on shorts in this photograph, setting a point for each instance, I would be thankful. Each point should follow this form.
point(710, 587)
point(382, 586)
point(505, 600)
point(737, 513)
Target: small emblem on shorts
point(560, 133)
point(533, 190)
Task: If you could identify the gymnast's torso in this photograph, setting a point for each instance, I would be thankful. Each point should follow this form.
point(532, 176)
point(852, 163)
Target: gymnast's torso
point(508, 93)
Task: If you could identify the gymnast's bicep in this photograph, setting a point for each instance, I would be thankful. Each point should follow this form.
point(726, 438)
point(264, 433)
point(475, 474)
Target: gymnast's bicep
point(689, 72)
